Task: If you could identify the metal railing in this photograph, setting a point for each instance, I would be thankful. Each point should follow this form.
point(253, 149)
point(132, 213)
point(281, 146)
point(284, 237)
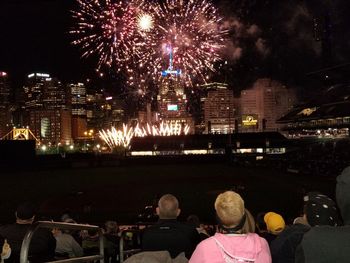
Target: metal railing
point(64, 226)
point(126, 253)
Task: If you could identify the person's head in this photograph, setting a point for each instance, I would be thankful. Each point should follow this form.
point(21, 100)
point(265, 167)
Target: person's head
point(193, 220)
point(168, 207)
point(320, 210)
point(274, 223)
point(25, 213)
point(65, 217)
point(229, 207)
point(56, 232)
point(343, 194)
point(260, 223)
point(111, 227)
point(70, 221)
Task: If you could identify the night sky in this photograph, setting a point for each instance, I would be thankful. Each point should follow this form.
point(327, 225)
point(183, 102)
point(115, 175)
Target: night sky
point(34, 37)
point(271, 38)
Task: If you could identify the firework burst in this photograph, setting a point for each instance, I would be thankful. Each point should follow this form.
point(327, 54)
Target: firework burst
point(192, 29)
point(106, 28)
point(135, 36)
point(114, 138)
point(145, 22)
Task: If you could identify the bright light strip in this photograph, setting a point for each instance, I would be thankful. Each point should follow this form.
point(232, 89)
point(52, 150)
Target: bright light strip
point(141, 153)
point(189, 152)
point(42, 75)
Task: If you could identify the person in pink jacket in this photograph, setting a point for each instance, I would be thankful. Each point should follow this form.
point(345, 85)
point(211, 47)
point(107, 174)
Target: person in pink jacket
point(230, 244)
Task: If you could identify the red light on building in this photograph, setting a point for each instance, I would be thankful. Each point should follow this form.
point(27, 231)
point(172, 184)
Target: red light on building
point(3, 74)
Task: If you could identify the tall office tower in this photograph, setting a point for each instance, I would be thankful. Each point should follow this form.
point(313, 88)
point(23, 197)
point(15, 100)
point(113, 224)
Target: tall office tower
point(172, 99)
point(51, 126)
point(5, 114)
point(263, 104)
point(103, 112)
point(77, 103)
point(54, 95)
point(46, 107)
point(219, 108)
point(113, 112)
point(94, 109)
point(43, 92)
point(78, 99)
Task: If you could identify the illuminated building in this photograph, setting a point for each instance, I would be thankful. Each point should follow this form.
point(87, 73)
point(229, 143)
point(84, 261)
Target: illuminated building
point(4, 89)
point(172, 99)
point(51, 126)
point(147, 117)
point(263, 104)
point(94, 109)
point(113, 112)
point(219, 108)
point(5, 115)
point(78, 99)
point(43, 92)
point(46, 108)
point(103, 112)
point(79, 127)
point(78, 108)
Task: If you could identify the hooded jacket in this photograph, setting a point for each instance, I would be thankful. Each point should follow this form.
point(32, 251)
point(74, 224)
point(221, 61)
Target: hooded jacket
point(156, 257)
point(325, 243)
point(343, 195)
point(222, 248)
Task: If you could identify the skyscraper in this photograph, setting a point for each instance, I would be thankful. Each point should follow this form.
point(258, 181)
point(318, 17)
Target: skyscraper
point(172, 101)
point(46, 107)
point(219, 108)
point(51, 126)
point(263, 104)
point(5, 115)
point(77, 99)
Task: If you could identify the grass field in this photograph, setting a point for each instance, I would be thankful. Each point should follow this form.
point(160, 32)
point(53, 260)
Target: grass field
point(120, 193)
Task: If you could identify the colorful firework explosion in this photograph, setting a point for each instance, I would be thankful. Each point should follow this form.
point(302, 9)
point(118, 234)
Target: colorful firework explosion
point(192, 30)
point(135, 36)
point(106, 28)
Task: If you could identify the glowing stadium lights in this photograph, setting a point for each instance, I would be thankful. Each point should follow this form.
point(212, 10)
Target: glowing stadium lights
point(40, 75)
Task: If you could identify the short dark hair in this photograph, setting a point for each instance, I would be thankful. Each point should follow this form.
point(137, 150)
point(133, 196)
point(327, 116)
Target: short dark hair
point(25, 211)
point(260, 223)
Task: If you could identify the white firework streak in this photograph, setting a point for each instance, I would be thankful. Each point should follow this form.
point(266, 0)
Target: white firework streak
point(123, 137)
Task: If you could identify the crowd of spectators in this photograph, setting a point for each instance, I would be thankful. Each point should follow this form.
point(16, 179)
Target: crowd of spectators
point(315, 158)
point(320, 234)
point(326, 158)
